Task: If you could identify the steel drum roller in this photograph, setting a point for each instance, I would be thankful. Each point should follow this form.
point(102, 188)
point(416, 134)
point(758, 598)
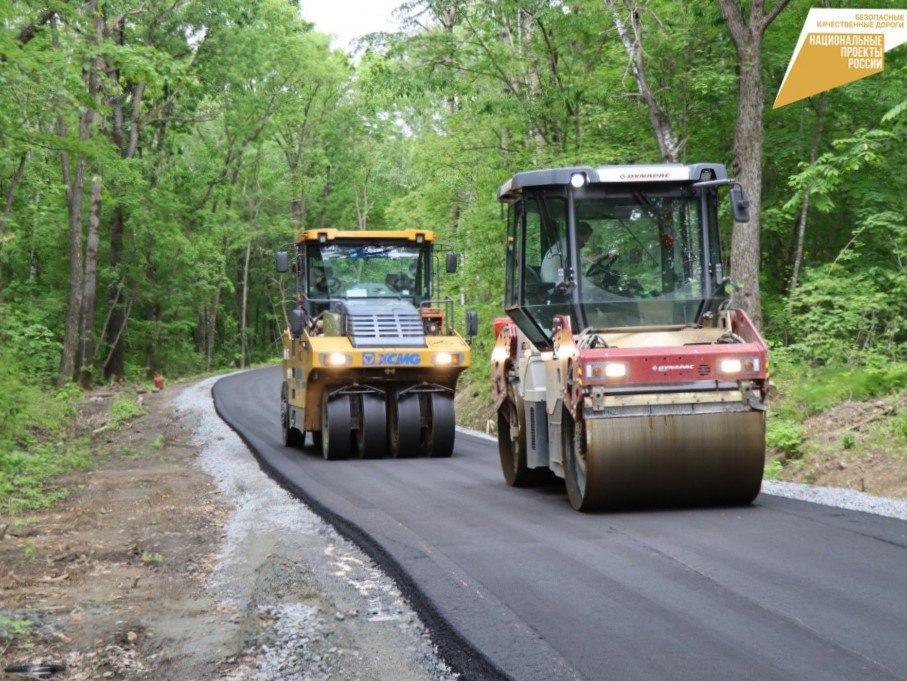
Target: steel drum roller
point(707, 458)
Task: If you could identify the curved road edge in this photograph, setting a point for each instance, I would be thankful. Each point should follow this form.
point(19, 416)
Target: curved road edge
point(456, 651)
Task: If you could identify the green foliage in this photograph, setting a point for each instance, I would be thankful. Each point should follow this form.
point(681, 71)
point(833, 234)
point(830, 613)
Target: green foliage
point(26, 475)
point(15, 627)
point(773, 468)
point(849, 440)
point(899, 428)
point(807, 390)
point(785, 435)
point(844, 314)
point(124, 408)
point(150, 558)
point(249, 128)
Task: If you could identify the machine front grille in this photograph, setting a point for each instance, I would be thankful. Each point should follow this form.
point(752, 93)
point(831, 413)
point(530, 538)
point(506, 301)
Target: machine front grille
point(704, 370)
point(398, 328)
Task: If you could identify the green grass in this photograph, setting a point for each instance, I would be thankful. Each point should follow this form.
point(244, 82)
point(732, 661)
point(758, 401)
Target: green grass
point(124, 408)
point(806, 390)
point(10, 627)
point(39, 440)
point(772, 468)
point(152, 558)
point(786, 435)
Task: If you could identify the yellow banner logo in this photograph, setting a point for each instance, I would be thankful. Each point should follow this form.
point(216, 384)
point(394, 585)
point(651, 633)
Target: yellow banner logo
point(839, 46)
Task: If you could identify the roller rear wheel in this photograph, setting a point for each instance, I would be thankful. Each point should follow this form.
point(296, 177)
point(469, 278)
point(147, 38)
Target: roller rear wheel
point(371, 438)
point(512, 446)
point(336, 427)
point(290, 436)
point(442, 428)
point(404, 426)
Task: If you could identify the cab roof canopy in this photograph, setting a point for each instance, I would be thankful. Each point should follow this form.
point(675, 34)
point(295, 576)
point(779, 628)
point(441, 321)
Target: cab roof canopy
point(325, 235)
point(616, 174)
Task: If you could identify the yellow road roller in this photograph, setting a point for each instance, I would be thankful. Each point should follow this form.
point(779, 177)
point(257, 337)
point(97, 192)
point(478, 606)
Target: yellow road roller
point(370, 358)
point(622, 366)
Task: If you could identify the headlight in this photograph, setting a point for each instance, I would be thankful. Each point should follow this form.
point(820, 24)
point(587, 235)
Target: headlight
point(607, 370)
point(446, 358)
point(577, 180)
point(739, 365)
point(335, 359)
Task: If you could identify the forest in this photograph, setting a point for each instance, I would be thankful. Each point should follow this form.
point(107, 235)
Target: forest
point(156, 154)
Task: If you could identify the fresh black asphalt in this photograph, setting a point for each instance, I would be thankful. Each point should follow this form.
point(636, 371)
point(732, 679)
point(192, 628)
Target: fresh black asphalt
point(514, 583)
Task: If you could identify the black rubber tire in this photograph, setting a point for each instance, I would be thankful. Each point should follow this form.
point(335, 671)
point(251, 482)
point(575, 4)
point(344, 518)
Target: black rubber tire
point(404, 436)
point(442, 430)
point(371, 438)
point(336, 427)
point(512, 451)
point(579, 474)
point(291, 437)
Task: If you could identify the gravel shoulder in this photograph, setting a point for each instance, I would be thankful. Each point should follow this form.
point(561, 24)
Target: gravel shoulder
point(178, 558)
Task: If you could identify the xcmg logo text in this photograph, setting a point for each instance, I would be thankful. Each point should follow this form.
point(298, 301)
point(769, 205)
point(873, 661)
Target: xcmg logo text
point(391, 359)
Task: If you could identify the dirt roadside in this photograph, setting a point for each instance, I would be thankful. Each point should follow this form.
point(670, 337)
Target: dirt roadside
point(159, 566)
point(852, 446)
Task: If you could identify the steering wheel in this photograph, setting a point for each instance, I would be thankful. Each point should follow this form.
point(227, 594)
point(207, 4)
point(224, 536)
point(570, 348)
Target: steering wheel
point(600, 269)
point(531, 276)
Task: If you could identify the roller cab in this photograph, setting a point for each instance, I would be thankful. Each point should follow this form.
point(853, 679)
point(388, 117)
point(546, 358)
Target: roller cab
point(370, 358)
point(622, 366)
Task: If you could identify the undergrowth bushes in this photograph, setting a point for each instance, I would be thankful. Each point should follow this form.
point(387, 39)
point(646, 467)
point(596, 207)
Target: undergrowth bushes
point(806, 389)
point(37, 435)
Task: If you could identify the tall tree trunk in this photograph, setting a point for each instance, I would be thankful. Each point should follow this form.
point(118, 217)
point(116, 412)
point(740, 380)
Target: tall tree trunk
point(748, 138)
point(804, 212)
point(8, 204)
point(114, 368)
point(86, 325)
point(126, 146)
point(211, 314)
point(668, 144)
point(324, 198)
point(361, 200)
point(154, 313)
point(245, 303)
point(74, 195)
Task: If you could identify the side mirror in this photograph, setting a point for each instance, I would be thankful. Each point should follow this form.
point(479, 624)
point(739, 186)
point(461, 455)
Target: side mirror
point(451, 262)
point(740, 205)
point(472, 322)
point(297, 322)
point(282, 261)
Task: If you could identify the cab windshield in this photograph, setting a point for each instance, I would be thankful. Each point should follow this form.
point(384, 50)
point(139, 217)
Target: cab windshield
point(640, 259)
point(365, 270)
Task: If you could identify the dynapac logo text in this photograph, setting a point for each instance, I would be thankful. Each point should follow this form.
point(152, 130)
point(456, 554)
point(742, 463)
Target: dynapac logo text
point(671, 367)
point(645, 176)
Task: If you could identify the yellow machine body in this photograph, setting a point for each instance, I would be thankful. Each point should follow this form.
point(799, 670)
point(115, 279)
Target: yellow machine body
point(370, 358)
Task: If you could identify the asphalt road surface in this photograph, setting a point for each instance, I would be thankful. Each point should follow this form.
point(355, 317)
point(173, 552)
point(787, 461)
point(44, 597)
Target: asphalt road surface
point(514, 583)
